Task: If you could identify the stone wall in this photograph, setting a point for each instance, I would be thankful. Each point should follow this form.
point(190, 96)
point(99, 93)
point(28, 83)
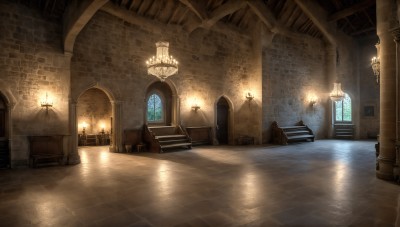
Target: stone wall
point(111, 54)
point(94, 108)
point(293, 72)
point(369, 90)
point(32, 64)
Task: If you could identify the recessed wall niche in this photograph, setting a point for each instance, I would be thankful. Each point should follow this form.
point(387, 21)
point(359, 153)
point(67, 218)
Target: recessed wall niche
point(94, 112)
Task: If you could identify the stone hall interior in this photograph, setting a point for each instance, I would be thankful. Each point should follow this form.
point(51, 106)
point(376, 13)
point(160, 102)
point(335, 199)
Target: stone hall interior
point(199, 112)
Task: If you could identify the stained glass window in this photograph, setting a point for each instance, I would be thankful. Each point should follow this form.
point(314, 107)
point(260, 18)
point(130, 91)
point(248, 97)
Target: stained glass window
point(343, 109)
point(154, 108)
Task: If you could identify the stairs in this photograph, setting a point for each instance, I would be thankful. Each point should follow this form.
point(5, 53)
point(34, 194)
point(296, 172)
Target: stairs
point(287, 134)
point(160, 138)
point(344, 131)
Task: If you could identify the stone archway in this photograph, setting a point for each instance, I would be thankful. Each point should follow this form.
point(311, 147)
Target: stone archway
point(116, 128)
point(94, 117)
point(168, 90)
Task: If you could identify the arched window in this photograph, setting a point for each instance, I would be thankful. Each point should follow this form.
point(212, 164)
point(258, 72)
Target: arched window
point(342, 110)
point(155, 110)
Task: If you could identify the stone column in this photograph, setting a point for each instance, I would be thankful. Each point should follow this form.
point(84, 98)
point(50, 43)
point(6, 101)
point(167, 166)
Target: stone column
point(387, 131)
point(116, 140)
point(331, 56)
point(73, 155)
point(396, 168)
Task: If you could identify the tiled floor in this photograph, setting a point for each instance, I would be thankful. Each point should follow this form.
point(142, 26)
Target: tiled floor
point(326, 183)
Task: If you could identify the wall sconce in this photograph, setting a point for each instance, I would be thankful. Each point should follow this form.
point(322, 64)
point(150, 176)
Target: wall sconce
point(195, 107)
point(46, 103)
point(249, 96)
point(313, 100)
point(103, 126)
point(376, 67)
point(84, 125)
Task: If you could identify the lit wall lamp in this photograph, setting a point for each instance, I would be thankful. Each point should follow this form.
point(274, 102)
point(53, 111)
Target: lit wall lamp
point(195, 107)
point(249, 96)
point(313, 100)
point(84, 125)
point(103, 126)
point(46, 103)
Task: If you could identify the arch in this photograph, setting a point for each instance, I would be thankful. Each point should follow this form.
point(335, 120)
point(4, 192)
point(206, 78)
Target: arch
point(230, 119)
point(97, 85)
point(5, 131)
point(115, 129)
point(168, 91)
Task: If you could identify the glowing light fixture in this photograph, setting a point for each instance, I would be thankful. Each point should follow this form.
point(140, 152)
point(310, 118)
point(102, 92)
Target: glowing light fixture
point(337, 94)
point(376, 67)
point(162, 65)
point(84, 125)
point(249, 96)
point(46, 103)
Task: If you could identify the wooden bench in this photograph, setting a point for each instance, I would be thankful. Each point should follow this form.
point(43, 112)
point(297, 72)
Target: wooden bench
point(45, 150)
point(287, 134)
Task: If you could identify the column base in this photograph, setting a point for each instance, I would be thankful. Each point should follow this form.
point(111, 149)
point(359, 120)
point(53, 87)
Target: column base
point(74, 159)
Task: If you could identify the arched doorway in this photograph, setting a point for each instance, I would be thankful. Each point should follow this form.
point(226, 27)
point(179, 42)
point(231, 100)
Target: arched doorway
point(4, 140)
point(94, 118)
point(159, 101)
point(222, 124)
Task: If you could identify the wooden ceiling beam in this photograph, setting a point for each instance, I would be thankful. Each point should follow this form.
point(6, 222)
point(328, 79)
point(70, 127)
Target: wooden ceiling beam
point(370, 29)
point(196, 8)
point(223, 10)
point(261, 10)
point(351, 10)
point(319, 17)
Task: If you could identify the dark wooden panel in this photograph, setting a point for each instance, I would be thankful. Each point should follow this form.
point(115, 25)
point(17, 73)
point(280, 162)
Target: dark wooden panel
point(45, 149)
point(199, 135)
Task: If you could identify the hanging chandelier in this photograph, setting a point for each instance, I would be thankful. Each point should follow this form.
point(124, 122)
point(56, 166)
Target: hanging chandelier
point(337, 94)
point(162, 65)
point(376, 67)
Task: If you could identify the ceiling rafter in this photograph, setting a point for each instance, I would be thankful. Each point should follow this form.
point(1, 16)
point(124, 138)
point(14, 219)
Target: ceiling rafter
point(198, 9)
point(318, 17)
point(351, 10)
point(223, 10)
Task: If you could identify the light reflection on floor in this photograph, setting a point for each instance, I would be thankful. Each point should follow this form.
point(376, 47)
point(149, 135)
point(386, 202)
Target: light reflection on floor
point(326, 183)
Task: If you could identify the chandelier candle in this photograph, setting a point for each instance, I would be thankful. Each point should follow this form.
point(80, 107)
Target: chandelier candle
point(162, 65)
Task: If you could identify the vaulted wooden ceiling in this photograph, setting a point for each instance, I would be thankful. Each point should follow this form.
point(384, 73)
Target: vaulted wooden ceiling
point(353, 17)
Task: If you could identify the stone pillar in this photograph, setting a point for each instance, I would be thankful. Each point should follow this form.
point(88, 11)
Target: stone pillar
point(73, 155)
point(387, 131)
point(331, 56)
point(396, 168)
point(116, 140)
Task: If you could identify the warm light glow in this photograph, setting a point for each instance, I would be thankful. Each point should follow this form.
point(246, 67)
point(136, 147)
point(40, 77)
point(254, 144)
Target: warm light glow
point(195, 103)
point(162, 65)
point(337, 94)
point(84, 124)
point(249, 95)
point(375, 64)
point(313, 99)
point(46, 102)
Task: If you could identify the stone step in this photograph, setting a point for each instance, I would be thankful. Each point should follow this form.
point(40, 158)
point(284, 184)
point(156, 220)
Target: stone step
point(176, 145)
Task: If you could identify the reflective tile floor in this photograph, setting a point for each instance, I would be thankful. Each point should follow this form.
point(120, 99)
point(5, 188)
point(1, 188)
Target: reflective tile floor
point(325, 183)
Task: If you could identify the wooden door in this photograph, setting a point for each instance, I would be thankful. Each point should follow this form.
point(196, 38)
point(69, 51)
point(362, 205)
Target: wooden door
point(4, 150)
point(222, 121)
